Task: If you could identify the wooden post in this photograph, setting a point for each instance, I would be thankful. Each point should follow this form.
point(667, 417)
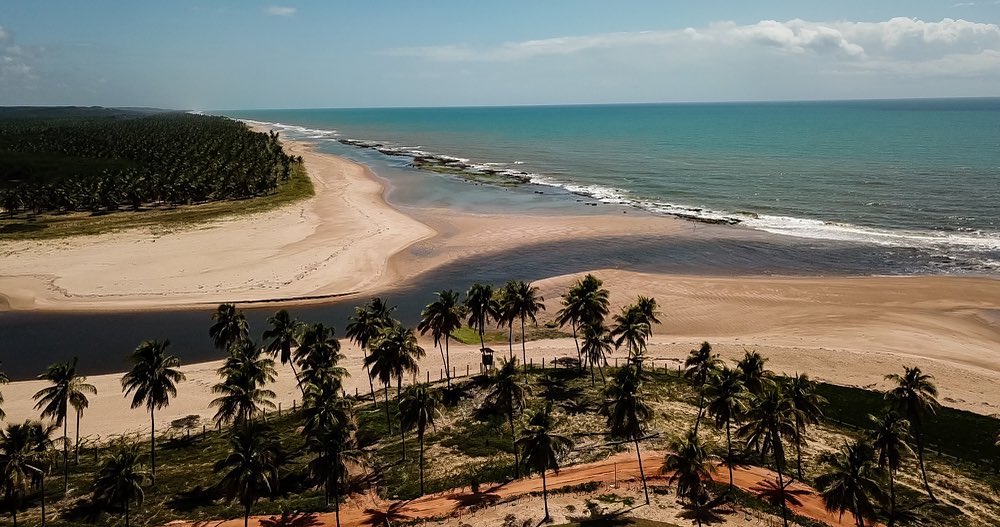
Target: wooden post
point(279, 408)
point(204, 429)
point(293, 405)
point(616, 362)
point(466, 370)
point(428, 377)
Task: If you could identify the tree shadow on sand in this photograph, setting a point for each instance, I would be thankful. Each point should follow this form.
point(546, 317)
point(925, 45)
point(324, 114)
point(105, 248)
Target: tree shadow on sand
point(292, 519)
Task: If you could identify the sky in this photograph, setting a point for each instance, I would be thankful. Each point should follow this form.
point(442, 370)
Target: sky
point(244, 54)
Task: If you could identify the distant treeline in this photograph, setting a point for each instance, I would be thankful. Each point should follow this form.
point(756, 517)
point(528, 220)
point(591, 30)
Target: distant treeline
point(107, 160)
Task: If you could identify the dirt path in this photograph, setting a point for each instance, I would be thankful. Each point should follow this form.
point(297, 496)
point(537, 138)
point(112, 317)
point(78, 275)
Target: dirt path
point(618, 469)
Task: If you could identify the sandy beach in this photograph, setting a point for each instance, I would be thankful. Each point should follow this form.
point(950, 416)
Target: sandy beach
point(348, 240)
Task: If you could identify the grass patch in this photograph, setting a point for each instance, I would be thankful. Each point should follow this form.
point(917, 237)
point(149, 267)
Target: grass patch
point(957, 433)
point(617, 522)
point(468, 335)
point(48, 226)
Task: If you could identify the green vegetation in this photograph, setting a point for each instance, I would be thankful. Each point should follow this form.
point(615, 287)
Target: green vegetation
point(495, 427)
point(66, 172)
point(617, 522)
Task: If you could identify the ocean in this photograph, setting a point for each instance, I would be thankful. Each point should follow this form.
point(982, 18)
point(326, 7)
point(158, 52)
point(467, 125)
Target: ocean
point(915, 175)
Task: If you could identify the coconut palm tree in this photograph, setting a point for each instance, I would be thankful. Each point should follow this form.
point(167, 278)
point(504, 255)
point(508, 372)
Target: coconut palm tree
point(283, 336)
point(726, 402)
point(585, 303)
point(318, 355)
point(328, 429)
point(690, 466)
point(597, 345)
point(119, 480)
point(241, 393)
point(525, 303)
point(541, 449)
point(417, 409)
point(888, 439)
point(482, 307)
point(506, 313)
point(851, 483)
point(699, 367)
point(632, 330)
point(250, 471)
point(152, 381)
point(394, 354)
point(807, 410)
point(507, 396)
point(751, 367)
point(441, 317)
point(769, 420)
point(364, 326)
point(54, 401)
point(627, 412)
point(78, 402)
point(24, 461)
point(649, 309)
point(915, 396)
point(230, 327)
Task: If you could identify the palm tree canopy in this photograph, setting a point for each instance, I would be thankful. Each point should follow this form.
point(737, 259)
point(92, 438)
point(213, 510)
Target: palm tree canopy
point(368, 320)
point(540, 448)
point(24, 455)
point(418, 407)
point(690, 465)
point(481, 306)
point(282, 335)
point(914, 394)
point(755, 377)
point(701, 364)
point(626, 409)
point(241, 395)
point(442, 316)
point(597, 342)
point(727, 397)
point(154, 375)
point(888, 439)
point(649, 309)
point(318, 355)
point(585, 303)
point(631, 329)
point(230, 326)
point(769, 419)
point(394, 353)
point(507, 392)
point(67, 387)
point(852, 482)
point(524, 301)
point(805, 401)
point(119, 480)
point(250, 471)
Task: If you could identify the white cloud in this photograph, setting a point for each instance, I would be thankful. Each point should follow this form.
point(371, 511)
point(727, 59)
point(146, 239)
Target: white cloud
point(15, 61)
point(900, 45)
point(277, 10)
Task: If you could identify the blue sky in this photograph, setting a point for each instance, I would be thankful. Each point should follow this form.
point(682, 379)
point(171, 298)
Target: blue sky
point(290, 54)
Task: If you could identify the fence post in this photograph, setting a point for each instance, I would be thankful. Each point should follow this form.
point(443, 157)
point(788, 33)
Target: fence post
point(543, 363)
point(428, 376)
point(466, 370)
point(293, 405)
point(453, 370)
point(204, 429)
point(440, 373)
point(279, 408)
point(616, 362)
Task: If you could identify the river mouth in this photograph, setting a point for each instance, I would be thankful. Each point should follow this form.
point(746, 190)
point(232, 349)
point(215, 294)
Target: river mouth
point(103, 340)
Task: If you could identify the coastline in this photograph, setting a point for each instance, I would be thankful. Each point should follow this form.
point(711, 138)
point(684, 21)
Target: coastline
point(841, 329)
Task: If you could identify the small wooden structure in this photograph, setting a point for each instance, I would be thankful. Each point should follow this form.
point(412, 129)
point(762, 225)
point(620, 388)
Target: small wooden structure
point(487, 357)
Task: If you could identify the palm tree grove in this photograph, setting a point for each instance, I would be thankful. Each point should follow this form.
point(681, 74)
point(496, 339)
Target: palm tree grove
point(711, 439)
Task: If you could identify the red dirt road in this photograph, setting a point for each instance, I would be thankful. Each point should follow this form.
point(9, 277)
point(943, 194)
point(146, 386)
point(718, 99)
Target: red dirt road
point(804, 501)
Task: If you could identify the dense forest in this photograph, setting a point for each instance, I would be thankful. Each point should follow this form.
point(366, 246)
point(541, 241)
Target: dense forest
point(104, 160)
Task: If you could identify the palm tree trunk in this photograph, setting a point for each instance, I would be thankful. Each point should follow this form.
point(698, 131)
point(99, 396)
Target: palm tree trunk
point(76, 449)
point(246, 516)
point(642, 474)
point(593, 382)
point(701, 410)
point(336, 485)
point(729, 449)
point(42, 479)
point(510, 339)
point(402, 429)
point(13, 513)
point(545, 498)
point(420, 439)
point(920, 457)
point(579, 356)
point(65, 455)
point(513, 439)
point(444, 361)
point(298, 382)
point(524, 351)
point(799, 433)
point(126, 512)
point(447, 360)
point(368, 369)
point(388, 419)
point(892, 498)
point(781, 481)
point(152, 446)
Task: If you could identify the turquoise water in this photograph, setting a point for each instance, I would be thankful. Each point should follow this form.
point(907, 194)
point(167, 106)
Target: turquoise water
point(913, 174)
